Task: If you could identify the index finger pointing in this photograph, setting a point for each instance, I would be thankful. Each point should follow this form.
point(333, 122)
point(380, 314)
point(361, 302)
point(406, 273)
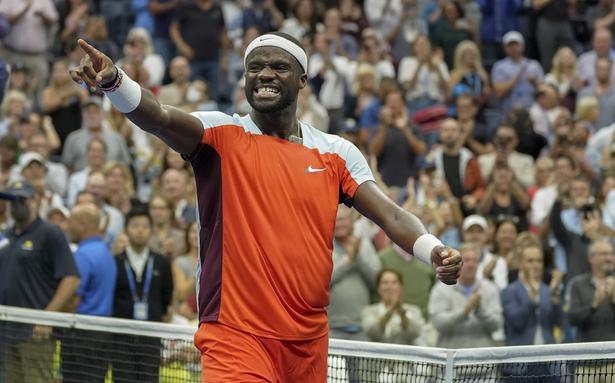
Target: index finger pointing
point(87, 48)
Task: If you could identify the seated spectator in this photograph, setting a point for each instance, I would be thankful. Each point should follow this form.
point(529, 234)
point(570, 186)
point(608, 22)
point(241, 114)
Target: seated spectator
point(458, 165)
point(9, 147)
point(176, 93)
point(476, 135)
point(505, 141)
point(139, 49)
point(504, 239)
point(604, 90)
point(120, 186)
point(373, 51)
point(73, 15)
point(185, 266)
point(468, 75)
point(62, 100)
point(14, 107)
point(34, 169)
point(564, 77)
point(21, 79)
point(174, 187)
point(96, 152)
point(303, 20)
point(491, 267)
point(394, 143)
point(96, 33)
point(587, 112)
point(601, 48)
point(408, 28)
point(354, 21)
point(143, 291)
point(591, 299)
point(383, 16)
point(505, 196)
point(546, 110)
point(450, 30)
point(532, 309)
point(564, 170)
point(466, 314)
point(391, 320)
point(424, 76)
point(544, 178)
point(311, 111)
point(166, 239)
point(113, 219)
point(515, 77)
point(74, 154)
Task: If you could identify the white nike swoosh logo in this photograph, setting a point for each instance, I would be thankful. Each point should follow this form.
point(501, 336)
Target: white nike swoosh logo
point(310, 169)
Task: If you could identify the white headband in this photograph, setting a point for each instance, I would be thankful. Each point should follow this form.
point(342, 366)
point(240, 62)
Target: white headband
point(279, 42)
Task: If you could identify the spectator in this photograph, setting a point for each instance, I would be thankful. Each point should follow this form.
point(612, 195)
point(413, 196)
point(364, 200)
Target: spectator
point(96, 152)
point(163, 12)
point(113, 220)
point(476, 135)
point(394, 143)
point(564, 77)
point(144, 291)
point(424, 76)
point(373, 52)
point(9, 147)
point(383, 16)
point(311, 111)
point(466, 314)
point(119, 15)
point(498, 18)
point(546, 110)
point(587, 113)
point(185, 266)
point(89, 361)
point(409, 27)
point(302, 21)
point(504, 239)
point(532, 309)
point(591, 299)
point(355, 269)
point(73, 15)
point(564, 170)
point(62, 100)
point(34, 168)
point(603, 90)
point(492, 267)
point(165, 239)
point(450, 30)
point(329, 74)
point(553, 28)
point(120, 186)
point(601, 15)
point(74, 154)
point(199, 33)
point(458, 166)
point(96, 33)
point(468, 75)
point(505, 141)
point(176, 93)
point(20, 79)
point(601, 48)
point(515, 77)
point(354, 21)
point(27, 38)
point(48, 281)
point(174, 187)
point(15, 107)
point(364, 90)
point(264, 15)
point(391, 320)
point(139, 49)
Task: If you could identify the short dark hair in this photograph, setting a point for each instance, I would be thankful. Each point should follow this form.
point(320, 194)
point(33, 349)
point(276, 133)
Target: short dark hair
point(139, 210)
point(400, 278)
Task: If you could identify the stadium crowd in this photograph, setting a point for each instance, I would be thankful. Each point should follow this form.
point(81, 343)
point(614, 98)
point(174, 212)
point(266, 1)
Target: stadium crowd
point(492, 121)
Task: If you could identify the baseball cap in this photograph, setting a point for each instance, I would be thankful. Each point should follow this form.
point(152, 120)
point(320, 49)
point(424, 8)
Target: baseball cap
point(475, 219)
point(29, 157)
point(513, 37)
point(92, 100)
point(18, 189)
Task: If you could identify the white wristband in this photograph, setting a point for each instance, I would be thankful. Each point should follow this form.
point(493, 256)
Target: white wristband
point(126, 95)
point(424, 245)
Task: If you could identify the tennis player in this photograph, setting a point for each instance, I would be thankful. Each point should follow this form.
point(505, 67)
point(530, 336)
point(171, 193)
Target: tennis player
point(268, 187)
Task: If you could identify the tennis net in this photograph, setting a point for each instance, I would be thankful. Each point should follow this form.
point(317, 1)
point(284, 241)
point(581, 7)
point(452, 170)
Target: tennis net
point(57, 347)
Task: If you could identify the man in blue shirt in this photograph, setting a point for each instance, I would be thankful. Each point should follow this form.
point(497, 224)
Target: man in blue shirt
point(88, 361)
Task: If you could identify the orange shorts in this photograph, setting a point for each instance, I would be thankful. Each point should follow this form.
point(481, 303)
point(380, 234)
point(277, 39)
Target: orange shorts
point(229, 355)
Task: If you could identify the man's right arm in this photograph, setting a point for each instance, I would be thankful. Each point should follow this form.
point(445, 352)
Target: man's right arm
point(178, 129)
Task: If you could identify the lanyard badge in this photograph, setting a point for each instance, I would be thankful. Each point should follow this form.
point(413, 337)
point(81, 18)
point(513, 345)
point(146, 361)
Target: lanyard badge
point(140, 308)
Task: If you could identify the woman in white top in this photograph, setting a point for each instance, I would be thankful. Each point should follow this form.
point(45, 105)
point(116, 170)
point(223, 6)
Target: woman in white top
point(139, 49)
point(424, 76)
point(302, 21)
point(563, 76)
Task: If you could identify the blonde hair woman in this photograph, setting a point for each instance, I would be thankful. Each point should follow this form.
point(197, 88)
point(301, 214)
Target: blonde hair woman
point(587, 112)
point(364, 87)
point(139, 49)
point(469, 75)
point(563, 75)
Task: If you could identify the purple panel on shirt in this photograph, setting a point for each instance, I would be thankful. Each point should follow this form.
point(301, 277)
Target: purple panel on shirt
point(208, 176)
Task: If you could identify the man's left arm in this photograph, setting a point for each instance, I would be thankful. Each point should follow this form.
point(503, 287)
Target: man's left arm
point(405, 229)
point(64, 269)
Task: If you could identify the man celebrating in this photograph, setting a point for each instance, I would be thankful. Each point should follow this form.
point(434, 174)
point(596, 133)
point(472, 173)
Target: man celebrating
point(268, 188)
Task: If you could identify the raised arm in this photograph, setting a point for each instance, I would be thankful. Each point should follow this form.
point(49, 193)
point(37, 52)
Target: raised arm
point(404, 229)
point(178, 129)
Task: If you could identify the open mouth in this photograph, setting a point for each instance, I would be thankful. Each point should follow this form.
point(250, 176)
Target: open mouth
point(266, 92)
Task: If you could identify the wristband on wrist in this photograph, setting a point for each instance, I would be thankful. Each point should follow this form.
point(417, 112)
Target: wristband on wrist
point(124, 93)
point(423, 247)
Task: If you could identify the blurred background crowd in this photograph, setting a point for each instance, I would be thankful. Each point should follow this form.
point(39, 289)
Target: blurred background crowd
point(493, 121)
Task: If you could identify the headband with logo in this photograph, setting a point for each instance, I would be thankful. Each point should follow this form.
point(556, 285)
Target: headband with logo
point(279, 42)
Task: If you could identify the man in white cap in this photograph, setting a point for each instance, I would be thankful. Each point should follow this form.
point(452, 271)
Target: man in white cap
point(515, 77)
point(268, 188)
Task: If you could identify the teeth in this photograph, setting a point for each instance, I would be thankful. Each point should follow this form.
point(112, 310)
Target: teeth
point(267, 90)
